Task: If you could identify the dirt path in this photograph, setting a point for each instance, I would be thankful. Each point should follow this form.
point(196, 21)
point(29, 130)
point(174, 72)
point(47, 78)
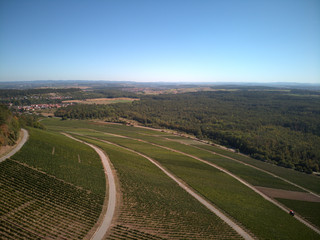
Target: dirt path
point(112, 198)
point(198, 197)
point(246, 184)
point(282, 207)
point(18, 146)
point(259, 169)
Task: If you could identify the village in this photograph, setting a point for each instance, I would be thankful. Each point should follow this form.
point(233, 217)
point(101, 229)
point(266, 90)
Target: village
point(35, 107)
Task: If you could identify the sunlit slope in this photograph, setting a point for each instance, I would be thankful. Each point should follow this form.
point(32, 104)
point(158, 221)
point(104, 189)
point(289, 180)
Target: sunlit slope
point(47, 191)
point(308, 181)
point(64, 158)
point(154, 207)
point(248, 208)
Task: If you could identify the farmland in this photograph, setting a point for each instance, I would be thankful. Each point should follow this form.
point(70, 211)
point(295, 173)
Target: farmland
point(44, 193)
point(226, 193)
point(55, 180)
point(153, 206)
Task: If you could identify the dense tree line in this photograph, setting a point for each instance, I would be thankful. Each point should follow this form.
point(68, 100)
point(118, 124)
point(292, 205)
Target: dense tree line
point(279, 127)
point(115, 93)
point(42, 96)
point(6, 93)
point(10, 125)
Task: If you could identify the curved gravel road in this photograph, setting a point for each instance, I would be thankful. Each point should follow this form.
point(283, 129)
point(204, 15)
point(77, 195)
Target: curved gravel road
point(107, 219)
point(18, 146)
point(282, 207)
point(201, 199)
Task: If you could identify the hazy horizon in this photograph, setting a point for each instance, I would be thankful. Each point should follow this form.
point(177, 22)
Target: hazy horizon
point(167, 41)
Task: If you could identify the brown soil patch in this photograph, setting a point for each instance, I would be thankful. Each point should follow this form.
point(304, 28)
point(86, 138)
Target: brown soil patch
point(293, 195)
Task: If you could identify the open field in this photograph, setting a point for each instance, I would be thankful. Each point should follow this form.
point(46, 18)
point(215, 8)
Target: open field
point(259, 216)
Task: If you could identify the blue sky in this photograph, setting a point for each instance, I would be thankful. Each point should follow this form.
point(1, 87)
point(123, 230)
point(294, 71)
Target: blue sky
point(188, 40)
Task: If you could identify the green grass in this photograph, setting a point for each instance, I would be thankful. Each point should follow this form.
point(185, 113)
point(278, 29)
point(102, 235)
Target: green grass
point(153, 201)
point(309, 210)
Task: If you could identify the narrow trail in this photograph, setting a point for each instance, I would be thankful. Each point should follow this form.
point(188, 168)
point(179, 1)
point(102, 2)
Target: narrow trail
point(108, 217)
point(249, 186)
point(257, 168)
point(282, 207)
point(18, 146)
point(188, 189)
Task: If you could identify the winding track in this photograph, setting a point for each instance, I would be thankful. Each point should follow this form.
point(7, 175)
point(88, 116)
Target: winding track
point(107, 218)
point(249, 165)
point(232, 175)
point(18, 146)
point(198, 197)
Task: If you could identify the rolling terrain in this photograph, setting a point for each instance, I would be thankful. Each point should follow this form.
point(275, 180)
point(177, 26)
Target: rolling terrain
point(226, 192)
point(168, 187)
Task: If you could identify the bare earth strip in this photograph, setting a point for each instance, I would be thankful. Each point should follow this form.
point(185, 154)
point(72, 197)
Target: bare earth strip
point(259, 169)
point(202, 200)
point(293, 195)
point(246, 184)
point(237, 178)
point(18, 146)
point(107, 219)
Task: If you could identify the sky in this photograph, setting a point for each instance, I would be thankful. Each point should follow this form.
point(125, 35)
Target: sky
point(164, 40)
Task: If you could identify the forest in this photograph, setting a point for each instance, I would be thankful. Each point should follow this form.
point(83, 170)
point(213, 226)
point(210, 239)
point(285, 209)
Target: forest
point(280, 127)
point(10, 124)
point(27, 97)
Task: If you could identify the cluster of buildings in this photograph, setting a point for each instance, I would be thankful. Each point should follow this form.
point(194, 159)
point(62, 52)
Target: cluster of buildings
point(35, 107)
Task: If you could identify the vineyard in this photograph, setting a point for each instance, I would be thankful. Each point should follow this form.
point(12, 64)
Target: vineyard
point(36, 206)
point(42, 194)
point(259, 216)
point(56, 191)
point(154, 206)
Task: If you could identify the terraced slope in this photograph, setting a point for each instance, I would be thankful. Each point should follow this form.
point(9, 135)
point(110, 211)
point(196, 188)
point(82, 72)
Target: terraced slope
point(34, 205)
point(53, 188)
point(236, 200)
point(228, 194)
point(154, 207)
